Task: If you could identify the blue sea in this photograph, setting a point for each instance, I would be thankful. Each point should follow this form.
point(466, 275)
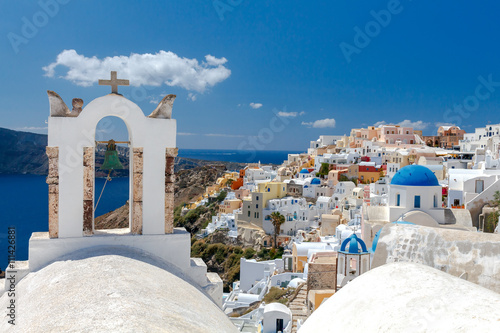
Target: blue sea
point(24, 202)
point(241, 156)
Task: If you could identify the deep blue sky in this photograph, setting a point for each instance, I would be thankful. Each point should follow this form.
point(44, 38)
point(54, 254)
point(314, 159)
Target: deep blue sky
point(283, 55)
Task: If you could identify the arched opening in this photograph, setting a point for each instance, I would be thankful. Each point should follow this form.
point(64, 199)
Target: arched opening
point(112, 195)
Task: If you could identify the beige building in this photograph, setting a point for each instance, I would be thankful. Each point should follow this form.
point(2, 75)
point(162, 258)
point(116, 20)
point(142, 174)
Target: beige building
point(321, 278)
point(228, 206)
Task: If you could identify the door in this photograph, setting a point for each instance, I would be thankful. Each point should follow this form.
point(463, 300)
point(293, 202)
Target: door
point(479, 186)
point(279, 325)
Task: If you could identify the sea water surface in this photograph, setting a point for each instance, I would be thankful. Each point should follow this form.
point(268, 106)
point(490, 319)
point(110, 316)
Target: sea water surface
point(24, 198)
point(24, 206)
point(240, 156)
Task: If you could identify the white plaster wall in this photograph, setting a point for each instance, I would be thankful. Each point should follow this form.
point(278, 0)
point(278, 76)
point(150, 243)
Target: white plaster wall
point(271, 313)
point(252, 271)
point(173, 248)
point(71, 134)
point(408, 194)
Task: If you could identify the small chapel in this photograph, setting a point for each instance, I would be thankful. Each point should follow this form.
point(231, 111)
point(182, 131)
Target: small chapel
point(136, 279)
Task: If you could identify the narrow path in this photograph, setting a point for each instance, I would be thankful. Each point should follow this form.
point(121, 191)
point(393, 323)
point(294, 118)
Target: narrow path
point(298, 306)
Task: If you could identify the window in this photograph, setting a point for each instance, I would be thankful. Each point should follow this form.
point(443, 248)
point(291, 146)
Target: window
point(257, 198)
point(248, 213)
point(435, 201)
point(479, 186)
point(257, 206)
point(417, 202)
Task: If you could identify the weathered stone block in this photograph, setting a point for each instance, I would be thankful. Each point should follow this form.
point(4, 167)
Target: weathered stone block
point(88, 183)
point(136, 224)
point(88, 217)
point(52, 152)
point(138, 159)
point(169, 165)
point(88, 156)
point(169, 179)
point(53, 168)
point(137, 186)
point(169, 213)
point(53, 211)
point(169, 188)
point(171, 152)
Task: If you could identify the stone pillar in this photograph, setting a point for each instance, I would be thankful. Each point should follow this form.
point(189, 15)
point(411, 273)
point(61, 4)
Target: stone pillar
point(170, 155)
point(88, 191)
point(53, 182)
point(136, 223)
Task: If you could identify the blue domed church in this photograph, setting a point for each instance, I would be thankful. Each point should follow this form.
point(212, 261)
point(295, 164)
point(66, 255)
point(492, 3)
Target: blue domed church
point(415, 194)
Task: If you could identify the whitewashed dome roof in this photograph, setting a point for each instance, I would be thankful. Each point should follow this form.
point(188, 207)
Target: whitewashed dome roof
point(99, 290)
point(407, 297)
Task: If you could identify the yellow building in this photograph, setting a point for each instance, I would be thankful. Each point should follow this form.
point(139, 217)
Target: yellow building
point(253, 206)
point(271, 190)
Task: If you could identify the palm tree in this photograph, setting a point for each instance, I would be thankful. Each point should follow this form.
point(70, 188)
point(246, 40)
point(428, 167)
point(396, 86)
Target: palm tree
point(277, 220)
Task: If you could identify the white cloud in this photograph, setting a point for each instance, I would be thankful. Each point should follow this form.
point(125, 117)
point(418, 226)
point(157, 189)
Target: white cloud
point(221, 135)
point(32, 129)
point(322, 123)
point(192, 97)
point(290, 114)
point(213, 61)
point(163, 67)
point(255, 105)
point(225, 135)
point(287, 114)
point(438, 124)
point(417, 125)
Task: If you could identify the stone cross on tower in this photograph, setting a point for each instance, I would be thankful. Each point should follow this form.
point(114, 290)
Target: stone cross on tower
point(114, 83)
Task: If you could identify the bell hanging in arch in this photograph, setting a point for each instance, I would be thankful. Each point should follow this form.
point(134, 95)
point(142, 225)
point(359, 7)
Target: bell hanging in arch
point(111, 160)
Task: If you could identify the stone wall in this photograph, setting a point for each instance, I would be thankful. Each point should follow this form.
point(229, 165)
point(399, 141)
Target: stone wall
point(322, 276)
point(470, 255)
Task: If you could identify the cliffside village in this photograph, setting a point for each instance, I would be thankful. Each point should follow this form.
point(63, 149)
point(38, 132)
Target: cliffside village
point(382, 230)
point(336, 199)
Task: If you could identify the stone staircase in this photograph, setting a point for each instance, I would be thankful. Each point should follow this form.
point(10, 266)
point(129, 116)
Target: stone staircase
point(298, 306)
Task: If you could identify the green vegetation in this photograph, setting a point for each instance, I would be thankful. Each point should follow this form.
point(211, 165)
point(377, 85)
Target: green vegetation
point(491, 220)
point(248, 253)
point(278, 295)
point(270, 254)
point(221, 196)
point(221, 258)
point(323, 170)
point(344, 178)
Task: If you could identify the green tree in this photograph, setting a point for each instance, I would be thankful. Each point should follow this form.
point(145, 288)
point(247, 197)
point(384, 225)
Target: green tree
point(277, 220)
point(221, 196)
point(496, 199)
point(491, 220)
point(323, 171)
